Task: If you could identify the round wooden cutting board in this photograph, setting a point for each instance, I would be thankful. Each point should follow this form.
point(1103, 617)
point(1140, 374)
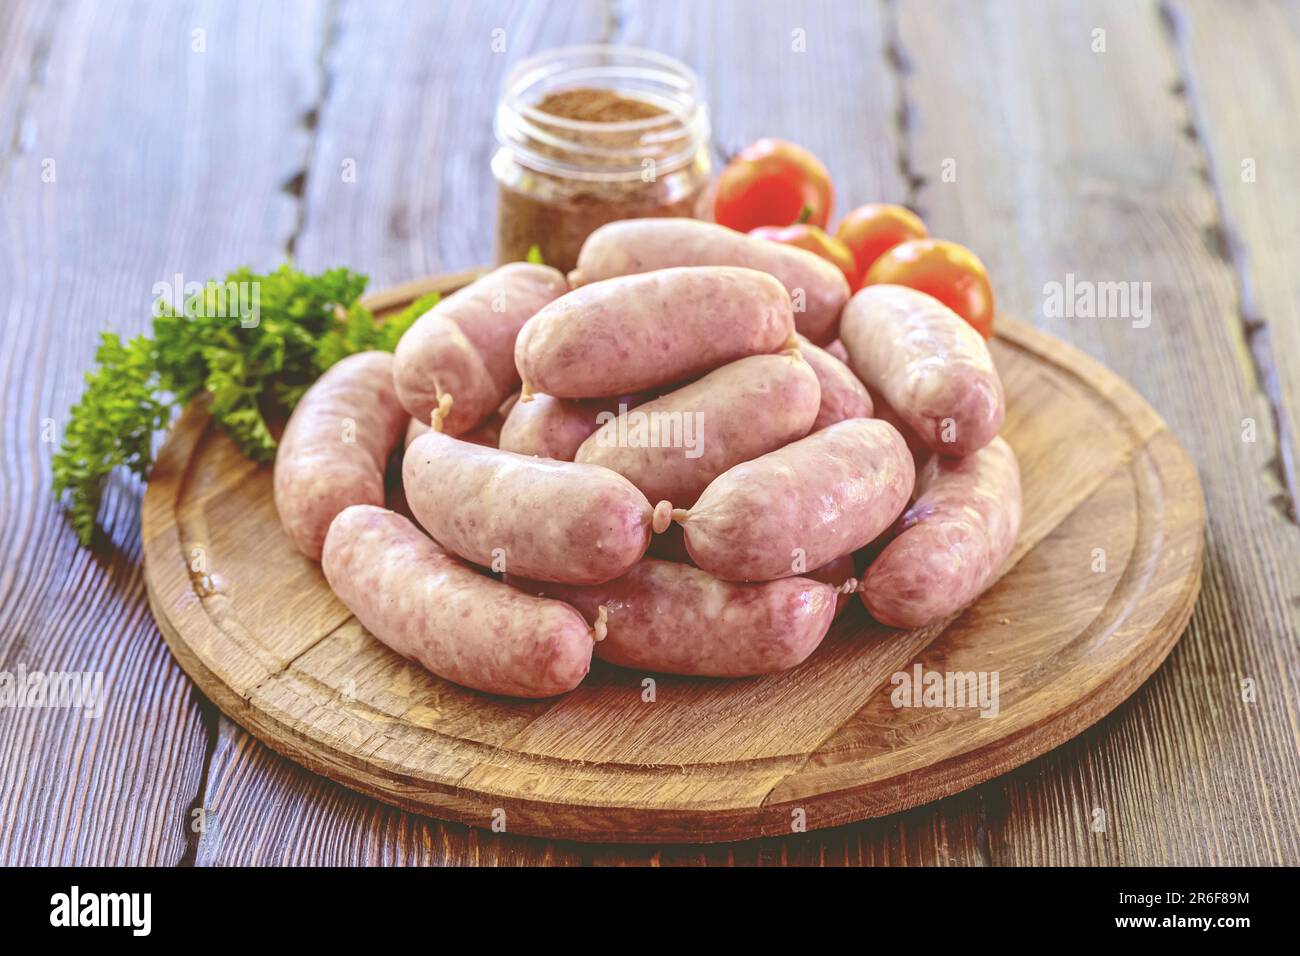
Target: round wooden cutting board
point(1099, 589)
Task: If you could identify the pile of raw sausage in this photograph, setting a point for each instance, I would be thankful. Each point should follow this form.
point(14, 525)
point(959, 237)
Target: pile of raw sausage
point(654, 460)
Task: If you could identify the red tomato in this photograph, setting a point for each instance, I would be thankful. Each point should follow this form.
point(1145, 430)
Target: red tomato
point(814, 239)
point(945, 270)
point(770, 184)
point(871, 230)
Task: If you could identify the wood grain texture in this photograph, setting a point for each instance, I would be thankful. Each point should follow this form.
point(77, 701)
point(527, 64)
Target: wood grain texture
point(26, 31)
point(1238, 106)
point(264, 637)
point(411, 91)
point(1094, 173)
point(407, 94)
point(769, 68)
point(136, 125)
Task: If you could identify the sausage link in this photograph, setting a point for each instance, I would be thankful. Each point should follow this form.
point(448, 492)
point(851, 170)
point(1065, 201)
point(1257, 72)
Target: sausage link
point(928, 364)
point(461, 625)
point(335, 446)
point(553, 520)
point(802, 505)
point(673, 446)
point(642, 245)
point(841, 574)
point(487, 432)
point(837, 349)
point(920, 450)
point(414, 429)
point(464, 346)
point(843, 396)
point(638, 332)
point(952, 541)
point(551, 427)
point(677, 619)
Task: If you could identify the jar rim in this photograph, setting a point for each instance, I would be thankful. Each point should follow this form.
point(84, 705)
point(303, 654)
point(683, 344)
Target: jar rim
point(663, 80)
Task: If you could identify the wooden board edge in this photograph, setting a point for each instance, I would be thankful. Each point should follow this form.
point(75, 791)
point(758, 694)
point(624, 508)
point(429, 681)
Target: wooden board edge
point(1072, 360)
point(400, 296)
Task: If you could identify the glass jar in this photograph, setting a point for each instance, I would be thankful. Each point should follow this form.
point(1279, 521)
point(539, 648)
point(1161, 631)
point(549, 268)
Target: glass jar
point(591, 134)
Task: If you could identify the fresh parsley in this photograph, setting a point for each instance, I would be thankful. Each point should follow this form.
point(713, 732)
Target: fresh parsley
point(253, 364)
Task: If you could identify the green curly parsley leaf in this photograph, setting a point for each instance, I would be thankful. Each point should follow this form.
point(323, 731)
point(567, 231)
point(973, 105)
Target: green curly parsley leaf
point(252, 343)
point(112, 425)
point(360, 332)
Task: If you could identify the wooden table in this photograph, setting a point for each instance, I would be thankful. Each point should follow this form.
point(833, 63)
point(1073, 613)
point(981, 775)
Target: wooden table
point(1111, 141)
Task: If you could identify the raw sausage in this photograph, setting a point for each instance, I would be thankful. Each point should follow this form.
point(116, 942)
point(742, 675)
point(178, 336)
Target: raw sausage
point(335, 447)
point(677, 619)
point(637, 332)
point(414, 429)
point(952, 541)
point(843, 396)
point(882, 410)
point(928, 364)
point(802, 505)
point(488, 433)
point(673, 446)
point(463, 348)
point(462, 625)
point(551, 427)
point(842, 575)
point(553, 520)
point(641, 245)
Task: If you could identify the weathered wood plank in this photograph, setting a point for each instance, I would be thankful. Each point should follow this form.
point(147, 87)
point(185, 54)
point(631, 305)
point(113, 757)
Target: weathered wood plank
point(26, 31)
point(1243, 107)
point(407, 98)
point(952, 832)
point(133, 128)
point(410, 103)
point(813, 73)
point(267, 811)
point(1089, 171)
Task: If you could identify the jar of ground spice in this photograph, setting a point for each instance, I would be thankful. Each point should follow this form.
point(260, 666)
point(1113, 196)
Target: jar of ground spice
point(591, 134)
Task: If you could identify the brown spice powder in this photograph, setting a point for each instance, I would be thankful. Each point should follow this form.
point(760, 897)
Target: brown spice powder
point(591, 105)
point(557, 212)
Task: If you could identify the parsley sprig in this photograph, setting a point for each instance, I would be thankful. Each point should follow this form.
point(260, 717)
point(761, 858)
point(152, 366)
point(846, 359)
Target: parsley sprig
point(254, 366)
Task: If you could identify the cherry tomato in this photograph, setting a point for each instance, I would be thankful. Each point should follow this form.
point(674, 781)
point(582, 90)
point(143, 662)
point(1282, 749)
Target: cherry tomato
point(871, 230)
point(814, 239)
point(945, 270)
point(770, 184)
